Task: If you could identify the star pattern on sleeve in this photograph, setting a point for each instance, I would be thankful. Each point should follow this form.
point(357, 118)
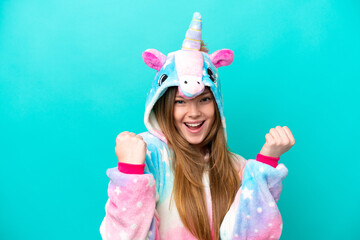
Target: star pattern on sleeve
point(164, 156)
point(117, 190)
point(246, 193)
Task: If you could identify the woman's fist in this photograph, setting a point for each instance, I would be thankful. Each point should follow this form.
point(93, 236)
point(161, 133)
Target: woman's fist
point(130, 148)
point(278, 141)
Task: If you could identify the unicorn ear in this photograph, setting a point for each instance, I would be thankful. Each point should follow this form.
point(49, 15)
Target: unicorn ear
point(153, 58)
point(222, 57)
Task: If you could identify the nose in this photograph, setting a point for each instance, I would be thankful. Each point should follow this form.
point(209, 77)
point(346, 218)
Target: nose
point(194, 110)
point(191, 85)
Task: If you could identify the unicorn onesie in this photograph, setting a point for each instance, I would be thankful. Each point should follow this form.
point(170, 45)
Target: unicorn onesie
point(140, 204)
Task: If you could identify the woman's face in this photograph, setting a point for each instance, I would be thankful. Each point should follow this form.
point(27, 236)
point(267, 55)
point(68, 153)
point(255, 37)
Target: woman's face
point(194, 117)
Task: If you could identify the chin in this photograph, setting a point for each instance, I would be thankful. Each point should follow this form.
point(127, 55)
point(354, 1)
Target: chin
point(194, 141)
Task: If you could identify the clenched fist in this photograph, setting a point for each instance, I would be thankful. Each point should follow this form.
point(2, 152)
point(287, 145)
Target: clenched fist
point(130, 148)
point(278, 141)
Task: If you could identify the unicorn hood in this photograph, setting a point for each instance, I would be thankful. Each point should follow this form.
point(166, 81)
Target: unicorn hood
point(190, 69)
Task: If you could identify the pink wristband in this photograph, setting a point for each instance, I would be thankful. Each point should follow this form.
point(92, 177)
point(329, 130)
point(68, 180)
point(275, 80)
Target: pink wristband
point(272, 161)
point(131, 168)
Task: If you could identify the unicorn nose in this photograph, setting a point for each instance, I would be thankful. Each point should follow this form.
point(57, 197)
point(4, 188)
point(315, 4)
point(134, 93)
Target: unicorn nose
point(191, 86)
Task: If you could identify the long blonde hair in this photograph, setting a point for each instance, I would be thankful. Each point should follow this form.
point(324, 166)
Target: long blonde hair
point(189, 165)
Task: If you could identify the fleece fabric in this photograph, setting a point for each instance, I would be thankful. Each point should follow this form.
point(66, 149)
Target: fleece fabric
point(140, 205)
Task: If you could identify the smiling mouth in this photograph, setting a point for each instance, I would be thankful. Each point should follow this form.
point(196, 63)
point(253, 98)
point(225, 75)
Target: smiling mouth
point(194, 125)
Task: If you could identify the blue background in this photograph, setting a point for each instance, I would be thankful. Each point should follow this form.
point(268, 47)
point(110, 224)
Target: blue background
point(72, 78)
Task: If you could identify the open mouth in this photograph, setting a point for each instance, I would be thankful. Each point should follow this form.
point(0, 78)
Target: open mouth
point(194, 126)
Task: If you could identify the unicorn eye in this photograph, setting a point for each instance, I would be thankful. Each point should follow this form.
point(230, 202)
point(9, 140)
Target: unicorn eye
point(162, 79)
point(211, 74)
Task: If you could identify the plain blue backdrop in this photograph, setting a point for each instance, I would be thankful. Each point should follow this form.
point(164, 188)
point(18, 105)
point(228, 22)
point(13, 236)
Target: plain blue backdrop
point(72, 78)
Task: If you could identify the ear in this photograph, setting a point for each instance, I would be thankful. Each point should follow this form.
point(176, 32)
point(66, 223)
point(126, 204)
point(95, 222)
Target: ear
point(153, 58)
point(222, 57)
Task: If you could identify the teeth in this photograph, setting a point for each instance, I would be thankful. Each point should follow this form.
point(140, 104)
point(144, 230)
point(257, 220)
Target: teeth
point(193, 125)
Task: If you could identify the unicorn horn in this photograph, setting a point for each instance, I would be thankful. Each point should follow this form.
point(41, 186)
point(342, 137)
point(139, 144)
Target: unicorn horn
point(193, 34)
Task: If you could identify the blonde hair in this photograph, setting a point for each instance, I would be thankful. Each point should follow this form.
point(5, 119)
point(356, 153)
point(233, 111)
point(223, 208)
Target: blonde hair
point(189, 165)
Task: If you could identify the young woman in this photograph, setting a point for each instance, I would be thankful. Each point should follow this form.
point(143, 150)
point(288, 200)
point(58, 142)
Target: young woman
point(179, 180)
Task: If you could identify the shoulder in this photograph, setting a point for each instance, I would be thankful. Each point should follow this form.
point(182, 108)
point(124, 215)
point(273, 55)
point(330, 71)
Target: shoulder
point(152, 141)
point(156, 147)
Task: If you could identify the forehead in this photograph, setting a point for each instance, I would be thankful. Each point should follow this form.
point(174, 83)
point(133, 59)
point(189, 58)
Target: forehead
point(206, 90)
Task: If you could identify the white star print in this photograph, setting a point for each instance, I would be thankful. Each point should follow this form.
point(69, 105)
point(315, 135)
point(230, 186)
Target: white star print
point(124, 236)
point(247, 193)
point(117, 190)
point(164, 156)
point(261, 169)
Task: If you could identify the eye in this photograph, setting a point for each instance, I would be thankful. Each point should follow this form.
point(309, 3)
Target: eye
point(206, 99)
point(162, 79)
point(179, 102)
point(211, 74)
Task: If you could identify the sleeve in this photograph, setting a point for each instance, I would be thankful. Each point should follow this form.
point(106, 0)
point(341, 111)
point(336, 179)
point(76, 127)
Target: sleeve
point(130, 209)
point(254, 213)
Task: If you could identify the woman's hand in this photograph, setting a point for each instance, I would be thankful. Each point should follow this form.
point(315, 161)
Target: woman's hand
point(130, 148)
point(278, 141)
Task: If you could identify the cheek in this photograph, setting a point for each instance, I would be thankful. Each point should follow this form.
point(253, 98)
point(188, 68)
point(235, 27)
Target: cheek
point(177, 116)
point(211, 113)
point(212, 120)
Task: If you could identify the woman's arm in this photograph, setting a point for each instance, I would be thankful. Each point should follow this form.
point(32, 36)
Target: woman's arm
point(254, 213)
point(278, 141)
point(130, 209)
